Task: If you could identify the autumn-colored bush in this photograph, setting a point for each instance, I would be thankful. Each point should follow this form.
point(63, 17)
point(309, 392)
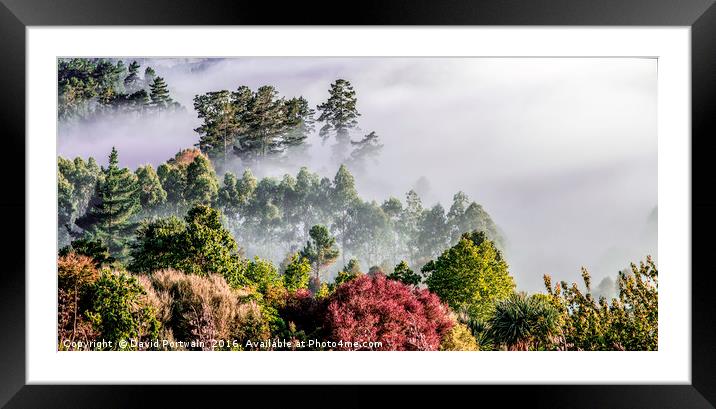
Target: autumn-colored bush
point(185, 156)
point(375, 309)
point(206, 309)
point(459, 338)
point(75, 275)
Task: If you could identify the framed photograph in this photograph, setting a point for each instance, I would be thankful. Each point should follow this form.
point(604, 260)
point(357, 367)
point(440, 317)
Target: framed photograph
point(482, 197)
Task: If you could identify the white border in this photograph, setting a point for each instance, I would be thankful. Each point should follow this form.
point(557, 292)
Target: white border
point(671, 364)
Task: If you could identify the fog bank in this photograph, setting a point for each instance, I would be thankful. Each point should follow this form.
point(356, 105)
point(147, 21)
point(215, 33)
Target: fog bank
point(561, 152)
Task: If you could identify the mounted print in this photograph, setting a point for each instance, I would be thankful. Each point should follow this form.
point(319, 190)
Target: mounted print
point(363, 203)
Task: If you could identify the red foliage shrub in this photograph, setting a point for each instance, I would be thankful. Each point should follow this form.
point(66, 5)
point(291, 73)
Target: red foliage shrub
point(380, 310)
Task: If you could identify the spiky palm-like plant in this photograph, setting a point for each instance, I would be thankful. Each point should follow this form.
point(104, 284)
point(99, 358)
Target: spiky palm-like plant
point(522, 322)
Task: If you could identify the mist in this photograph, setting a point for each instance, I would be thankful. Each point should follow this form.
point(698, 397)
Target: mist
point(561, 152)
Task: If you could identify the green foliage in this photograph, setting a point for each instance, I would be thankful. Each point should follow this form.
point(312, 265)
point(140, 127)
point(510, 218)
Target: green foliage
point(470, 276)
point(65, 205)
point(433, 234)
point(343, 197)
point(90, 87)
point(349, 272)
point(339, 112)
point(119, 311)
point(628, 322)
point(299, 122)
point(267, 216)
point(109, 216)
point(323, 291)
point(263, 274)
point(157, 245)
point(76, 180)
point(221, 112)
point(522, 323)
point(132, 82)
point(320, 250)
point(206, 244)
point(297, 273)
point(188, 179)
point(405, 275)
point(173, 179)
point(253, 125)
point(202, 186)
point(151, 193)
point(159, 94)
point(198, 245)
point(469, 216)
point(94, 249)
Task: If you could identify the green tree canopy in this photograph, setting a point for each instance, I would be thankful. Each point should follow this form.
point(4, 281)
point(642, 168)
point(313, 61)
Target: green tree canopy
point(405, 275)
point(297, 273)
point(198, 245)
point(470, 276)
point(151, 193)
point(320, 249)
point(120, 311)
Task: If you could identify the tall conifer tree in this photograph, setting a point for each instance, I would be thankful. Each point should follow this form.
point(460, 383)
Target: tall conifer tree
point(109, 216)
point(160, 93)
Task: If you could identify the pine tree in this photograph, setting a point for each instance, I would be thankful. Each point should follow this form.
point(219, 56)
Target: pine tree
point(339, 114)
point(160, 93)
point(320, 250)
point(223, 114)
point(339, 111)
point(132, 81)
point(299, 122)
point(109, 216)
point(265, 125)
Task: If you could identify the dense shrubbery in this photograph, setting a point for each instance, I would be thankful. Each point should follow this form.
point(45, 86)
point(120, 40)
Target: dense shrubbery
point(380, 310)
point(204, 309)
point(459, 338)
point(627, 322)
point(252, 303)
point(119, 310)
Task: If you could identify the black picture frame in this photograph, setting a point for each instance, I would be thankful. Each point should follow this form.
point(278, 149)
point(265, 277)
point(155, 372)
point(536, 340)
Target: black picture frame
point(15, 15)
